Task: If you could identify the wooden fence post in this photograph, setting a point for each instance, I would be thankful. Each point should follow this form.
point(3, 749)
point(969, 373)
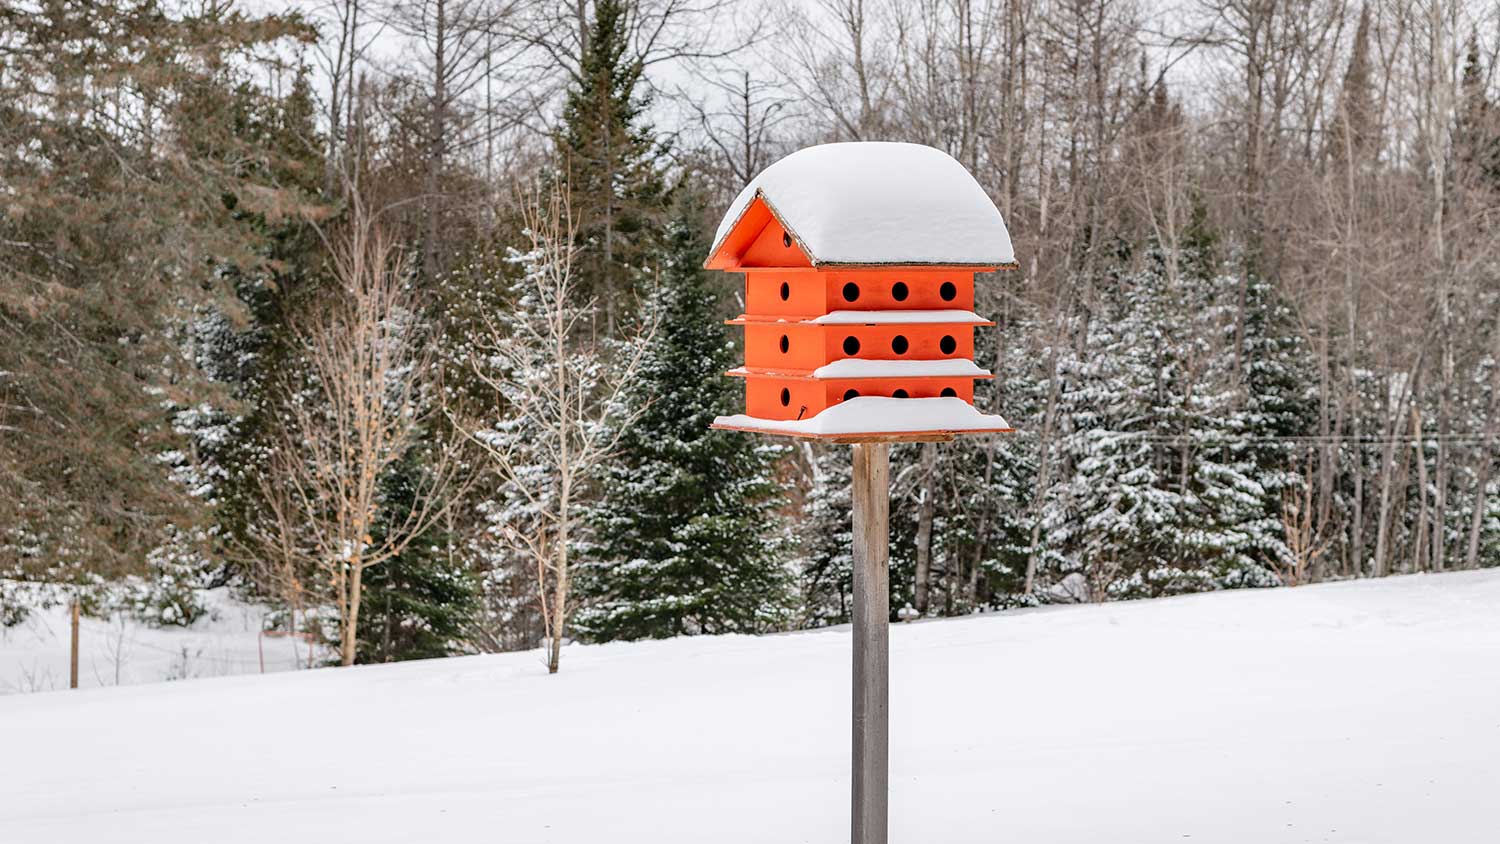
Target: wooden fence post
point(73, 654)
point(871, 642)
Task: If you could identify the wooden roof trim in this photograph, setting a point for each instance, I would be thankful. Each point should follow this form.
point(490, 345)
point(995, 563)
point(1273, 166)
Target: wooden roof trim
point(734, 263)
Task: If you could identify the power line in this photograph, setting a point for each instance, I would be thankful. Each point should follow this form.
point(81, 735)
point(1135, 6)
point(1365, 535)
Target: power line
point(1452, 439)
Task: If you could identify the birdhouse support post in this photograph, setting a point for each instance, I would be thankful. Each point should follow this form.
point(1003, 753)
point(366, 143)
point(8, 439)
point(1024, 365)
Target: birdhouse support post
point(871, 496)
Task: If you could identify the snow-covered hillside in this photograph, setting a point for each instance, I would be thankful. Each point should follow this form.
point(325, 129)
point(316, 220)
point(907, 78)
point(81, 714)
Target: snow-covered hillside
point(1357, 712)
point(123, 651)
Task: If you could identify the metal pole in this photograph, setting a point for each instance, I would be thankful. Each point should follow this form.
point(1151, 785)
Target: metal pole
point(871, 642)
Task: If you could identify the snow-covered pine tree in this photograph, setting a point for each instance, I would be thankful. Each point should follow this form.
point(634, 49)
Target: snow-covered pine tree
point(997, 476)
point(1275, 404)
point(686, 538)
point(1109, 519)
point(825, 536)
point(470, 295)
point(1159, 499)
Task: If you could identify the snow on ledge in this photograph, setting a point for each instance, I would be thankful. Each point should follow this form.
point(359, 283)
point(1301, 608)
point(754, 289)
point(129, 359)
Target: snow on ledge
point(898, 317)
point(877, 415)
point(866, 368)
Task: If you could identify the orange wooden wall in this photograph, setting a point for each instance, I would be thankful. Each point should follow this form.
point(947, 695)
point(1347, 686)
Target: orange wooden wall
point(806, 292)
point(783, 346)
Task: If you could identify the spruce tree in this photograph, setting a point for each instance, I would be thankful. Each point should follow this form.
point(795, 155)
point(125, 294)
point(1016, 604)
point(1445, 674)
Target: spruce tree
point(1110, 522)
point(997, 476)
point(1476, 131)
point(1164, 495)
point(421, 603)
point(686, 536)
point(1355, 135)
point(826, 539)
point(249, 357)
point(611, 160)
point(129, 176)
point(1277, 405)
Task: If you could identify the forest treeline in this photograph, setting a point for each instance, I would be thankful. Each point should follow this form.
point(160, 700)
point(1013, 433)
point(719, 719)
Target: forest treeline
point(393, 315)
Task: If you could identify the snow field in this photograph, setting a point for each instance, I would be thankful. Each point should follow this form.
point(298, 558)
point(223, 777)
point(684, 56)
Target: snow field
point(122, 651)
point(1351, 712)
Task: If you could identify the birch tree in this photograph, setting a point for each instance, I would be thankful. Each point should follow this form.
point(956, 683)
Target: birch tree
point(558, 410)
point(362, 406)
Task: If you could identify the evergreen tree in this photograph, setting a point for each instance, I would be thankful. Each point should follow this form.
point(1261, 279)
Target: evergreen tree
point(1109, 521)
point(996, 477)
point(612, 161)
point(1159, 501)
point(1277, 405)
point(421, 603)
point(686, 535)
point(127, 174)
point(250, 356)
point(826, 537)
point(1355, 136)
point(1476, 133)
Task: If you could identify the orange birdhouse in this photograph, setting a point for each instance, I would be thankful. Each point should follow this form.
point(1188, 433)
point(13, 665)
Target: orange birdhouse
point(859, 263)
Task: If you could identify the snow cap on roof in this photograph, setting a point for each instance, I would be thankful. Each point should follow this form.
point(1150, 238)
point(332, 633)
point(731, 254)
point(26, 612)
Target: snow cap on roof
point(878, 203)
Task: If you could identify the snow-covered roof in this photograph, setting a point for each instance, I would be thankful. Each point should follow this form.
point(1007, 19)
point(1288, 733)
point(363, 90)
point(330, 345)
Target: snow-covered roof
point(877, 415)
point(878, 203)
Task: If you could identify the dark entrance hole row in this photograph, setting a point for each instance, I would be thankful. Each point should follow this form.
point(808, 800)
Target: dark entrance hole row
point(947, 393)
point(899, 291)
point(899, 344)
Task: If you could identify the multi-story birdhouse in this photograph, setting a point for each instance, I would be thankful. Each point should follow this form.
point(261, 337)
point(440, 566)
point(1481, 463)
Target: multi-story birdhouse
point(859, 263)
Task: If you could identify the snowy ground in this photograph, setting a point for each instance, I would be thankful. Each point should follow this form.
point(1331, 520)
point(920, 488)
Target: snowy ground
point(1359, 712)
point(122, 651)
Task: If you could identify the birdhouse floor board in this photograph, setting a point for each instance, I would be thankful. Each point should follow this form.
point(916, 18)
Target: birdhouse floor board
point(877, 415)
point(950, 317)
point(846, 439)
point(833, 373)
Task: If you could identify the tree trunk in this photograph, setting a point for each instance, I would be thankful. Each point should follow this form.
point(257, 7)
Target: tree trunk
point(350, 637)
point(1383, 523)
point(1481, 502)
point(436, 149)
point(1044, 478)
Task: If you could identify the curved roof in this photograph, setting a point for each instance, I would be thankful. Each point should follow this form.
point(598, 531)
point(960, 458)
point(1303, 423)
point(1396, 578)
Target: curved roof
point(878, 203)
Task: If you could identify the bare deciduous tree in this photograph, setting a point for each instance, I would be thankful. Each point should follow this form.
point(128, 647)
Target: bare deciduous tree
point(558, 398)
point(361, 409)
